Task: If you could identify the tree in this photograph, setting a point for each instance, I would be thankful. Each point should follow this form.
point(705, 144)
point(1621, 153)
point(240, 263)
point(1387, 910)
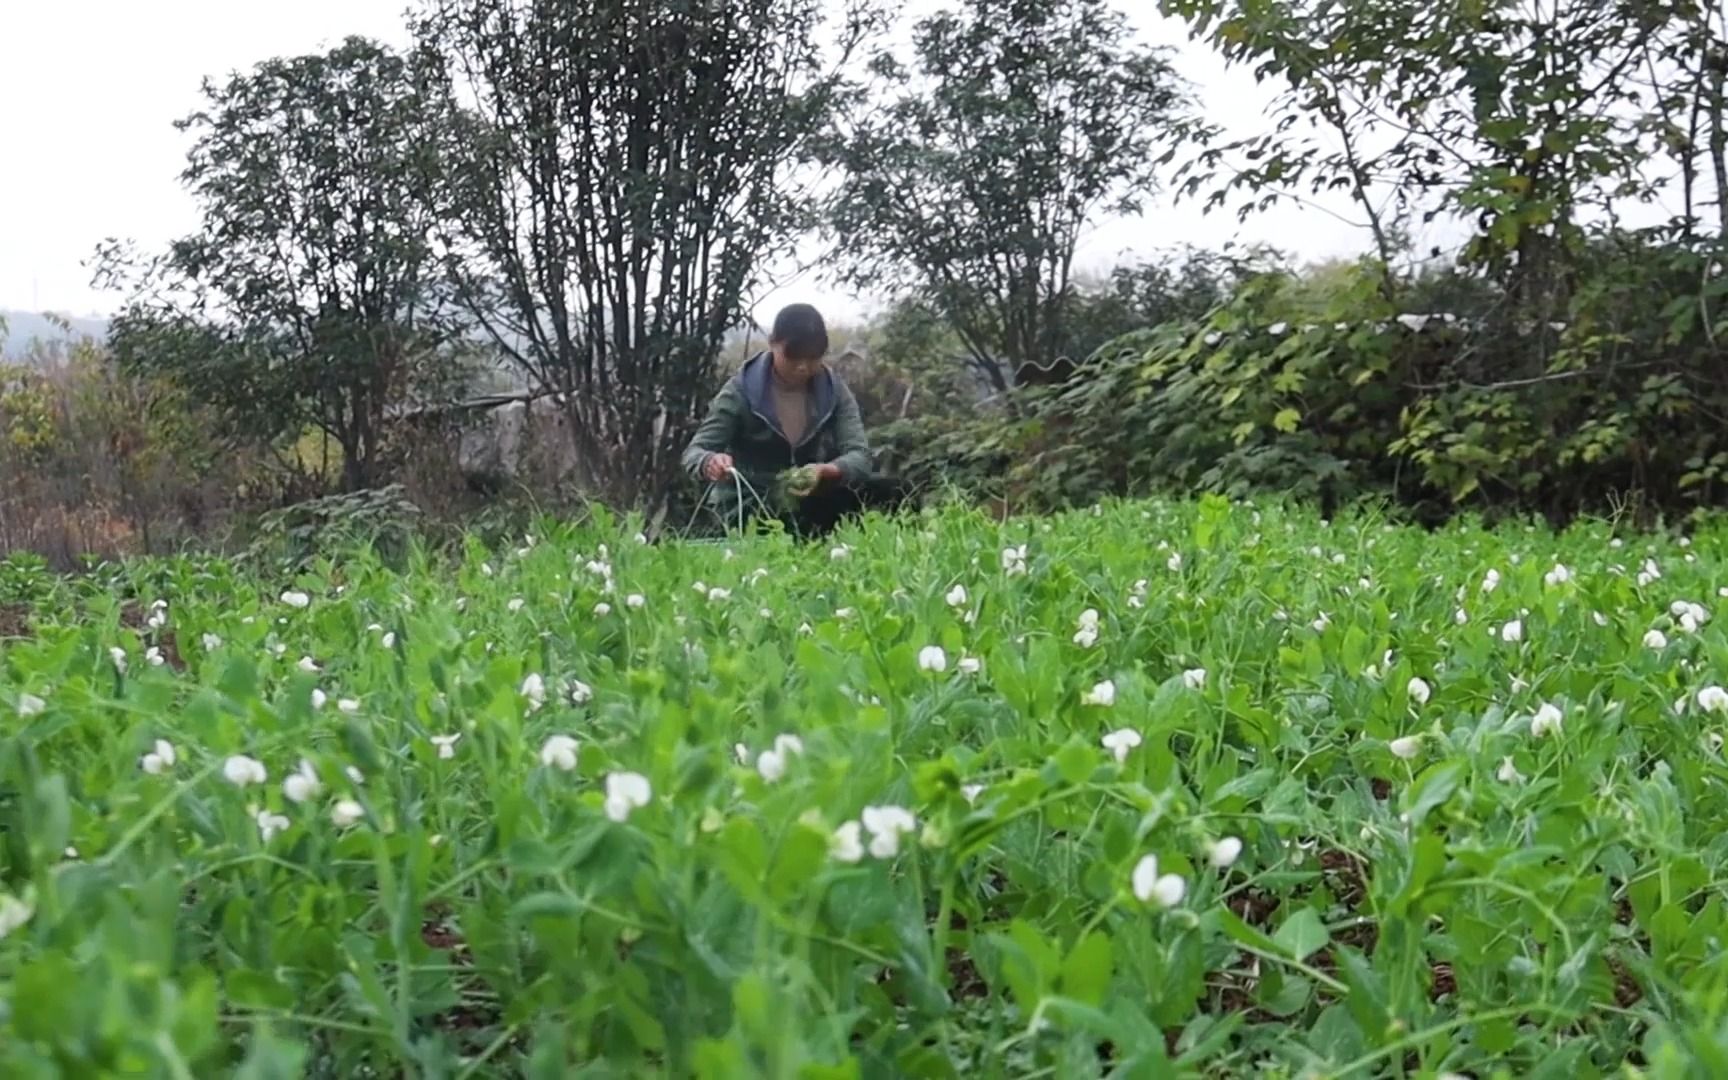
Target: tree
point(1527, 117)
point(621, 174)
point(971, 175)
point(309, 293)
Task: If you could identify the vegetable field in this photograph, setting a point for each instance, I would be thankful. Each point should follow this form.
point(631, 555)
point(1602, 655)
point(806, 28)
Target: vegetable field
point(1186, 789)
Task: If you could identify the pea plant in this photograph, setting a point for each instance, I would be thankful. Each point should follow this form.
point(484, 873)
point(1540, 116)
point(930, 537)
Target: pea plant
point(1190, 788)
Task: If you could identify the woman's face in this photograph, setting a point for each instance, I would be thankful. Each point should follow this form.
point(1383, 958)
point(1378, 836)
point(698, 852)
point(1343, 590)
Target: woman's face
point(791, 370)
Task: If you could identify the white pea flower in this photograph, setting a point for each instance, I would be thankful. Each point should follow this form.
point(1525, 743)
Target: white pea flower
point(1194, 678)
point(970, 792)
point(932, 658)
point(1490, 581)
point(625, 792)
point(771, 765)
point(270, 824)
point(153, 656)
point(886, 824)
point(1460, 616)
point(956, 596)
point(1655, 639)
point(717, 594)
point(1225, 852)
point(389, 640)
point(602, 609)
point(841, 614)
point(580, 692)
point(1512, 632)
point(348, 705)
point(1713, 699)
point(636, 600)
point(1150, 887)
point(534, 689)
point(847, 843)
point(1174, 562)
point(1419, 690)
point(1321, 623)
point(970, 665)
point(309, 665)
point(1560, 575)
point(319, 698)
point(30, 705)
point(700, 587)
point(1014, 560)
point(1102, 695)
point(1598, 618)
point(302, 784)
point(346, 813)
point(1508, 772)
point(516, 604)
point(839, 553)
point(295, 599)
point(1547, 721)
point(1690, 615)
point(353, 774)
point(766, 613)
point(160, 759)
point(446, 745)
point(1086, 636)
point(559, 751)
point(211, 642)
point(1120, 742)
point(741, 752)
point(1406, 748)
point(241, 770)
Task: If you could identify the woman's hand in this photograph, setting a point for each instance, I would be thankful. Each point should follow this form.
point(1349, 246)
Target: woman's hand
point(828, 474)
point(717, 467)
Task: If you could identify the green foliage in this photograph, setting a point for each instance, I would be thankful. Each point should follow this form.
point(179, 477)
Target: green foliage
point(1615, 406)
point(427, 881)
point(292, 538)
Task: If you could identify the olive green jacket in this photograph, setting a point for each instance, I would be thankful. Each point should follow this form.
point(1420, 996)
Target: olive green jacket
point(741, 422)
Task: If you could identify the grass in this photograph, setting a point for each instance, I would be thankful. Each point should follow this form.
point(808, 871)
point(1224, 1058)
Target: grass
point(1427, 882)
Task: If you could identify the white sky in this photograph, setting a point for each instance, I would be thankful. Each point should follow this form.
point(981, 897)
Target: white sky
point(89, 90)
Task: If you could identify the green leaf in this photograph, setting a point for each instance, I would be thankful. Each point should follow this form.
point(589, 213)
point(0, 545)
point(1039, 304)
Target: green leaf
point(1431, 789)
point(1302, 934)
point(1085, 974)
point(1287, 420)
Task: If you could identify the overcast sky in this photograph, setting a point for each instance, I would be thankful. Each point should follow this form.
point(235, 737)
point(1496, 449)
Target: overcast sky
point(89, 90)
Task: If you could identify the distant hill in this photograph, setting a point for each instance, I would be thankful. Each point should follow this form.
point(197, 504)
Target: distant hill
point(23, 327)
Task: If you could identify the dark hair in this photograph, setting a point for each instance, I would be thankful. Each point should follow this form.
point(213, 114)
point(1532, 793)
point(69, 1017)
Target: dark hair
point(799, 329)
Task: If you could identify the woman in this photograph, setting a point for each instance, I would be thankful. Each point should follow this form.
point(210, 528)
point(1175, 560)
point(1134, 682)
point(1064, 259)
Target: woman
point(786, 409)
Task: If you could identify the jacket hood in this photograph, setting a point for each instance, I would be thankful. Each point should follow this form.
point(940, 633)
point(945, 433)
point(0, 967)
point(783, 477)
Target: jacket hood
point(754, 380)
